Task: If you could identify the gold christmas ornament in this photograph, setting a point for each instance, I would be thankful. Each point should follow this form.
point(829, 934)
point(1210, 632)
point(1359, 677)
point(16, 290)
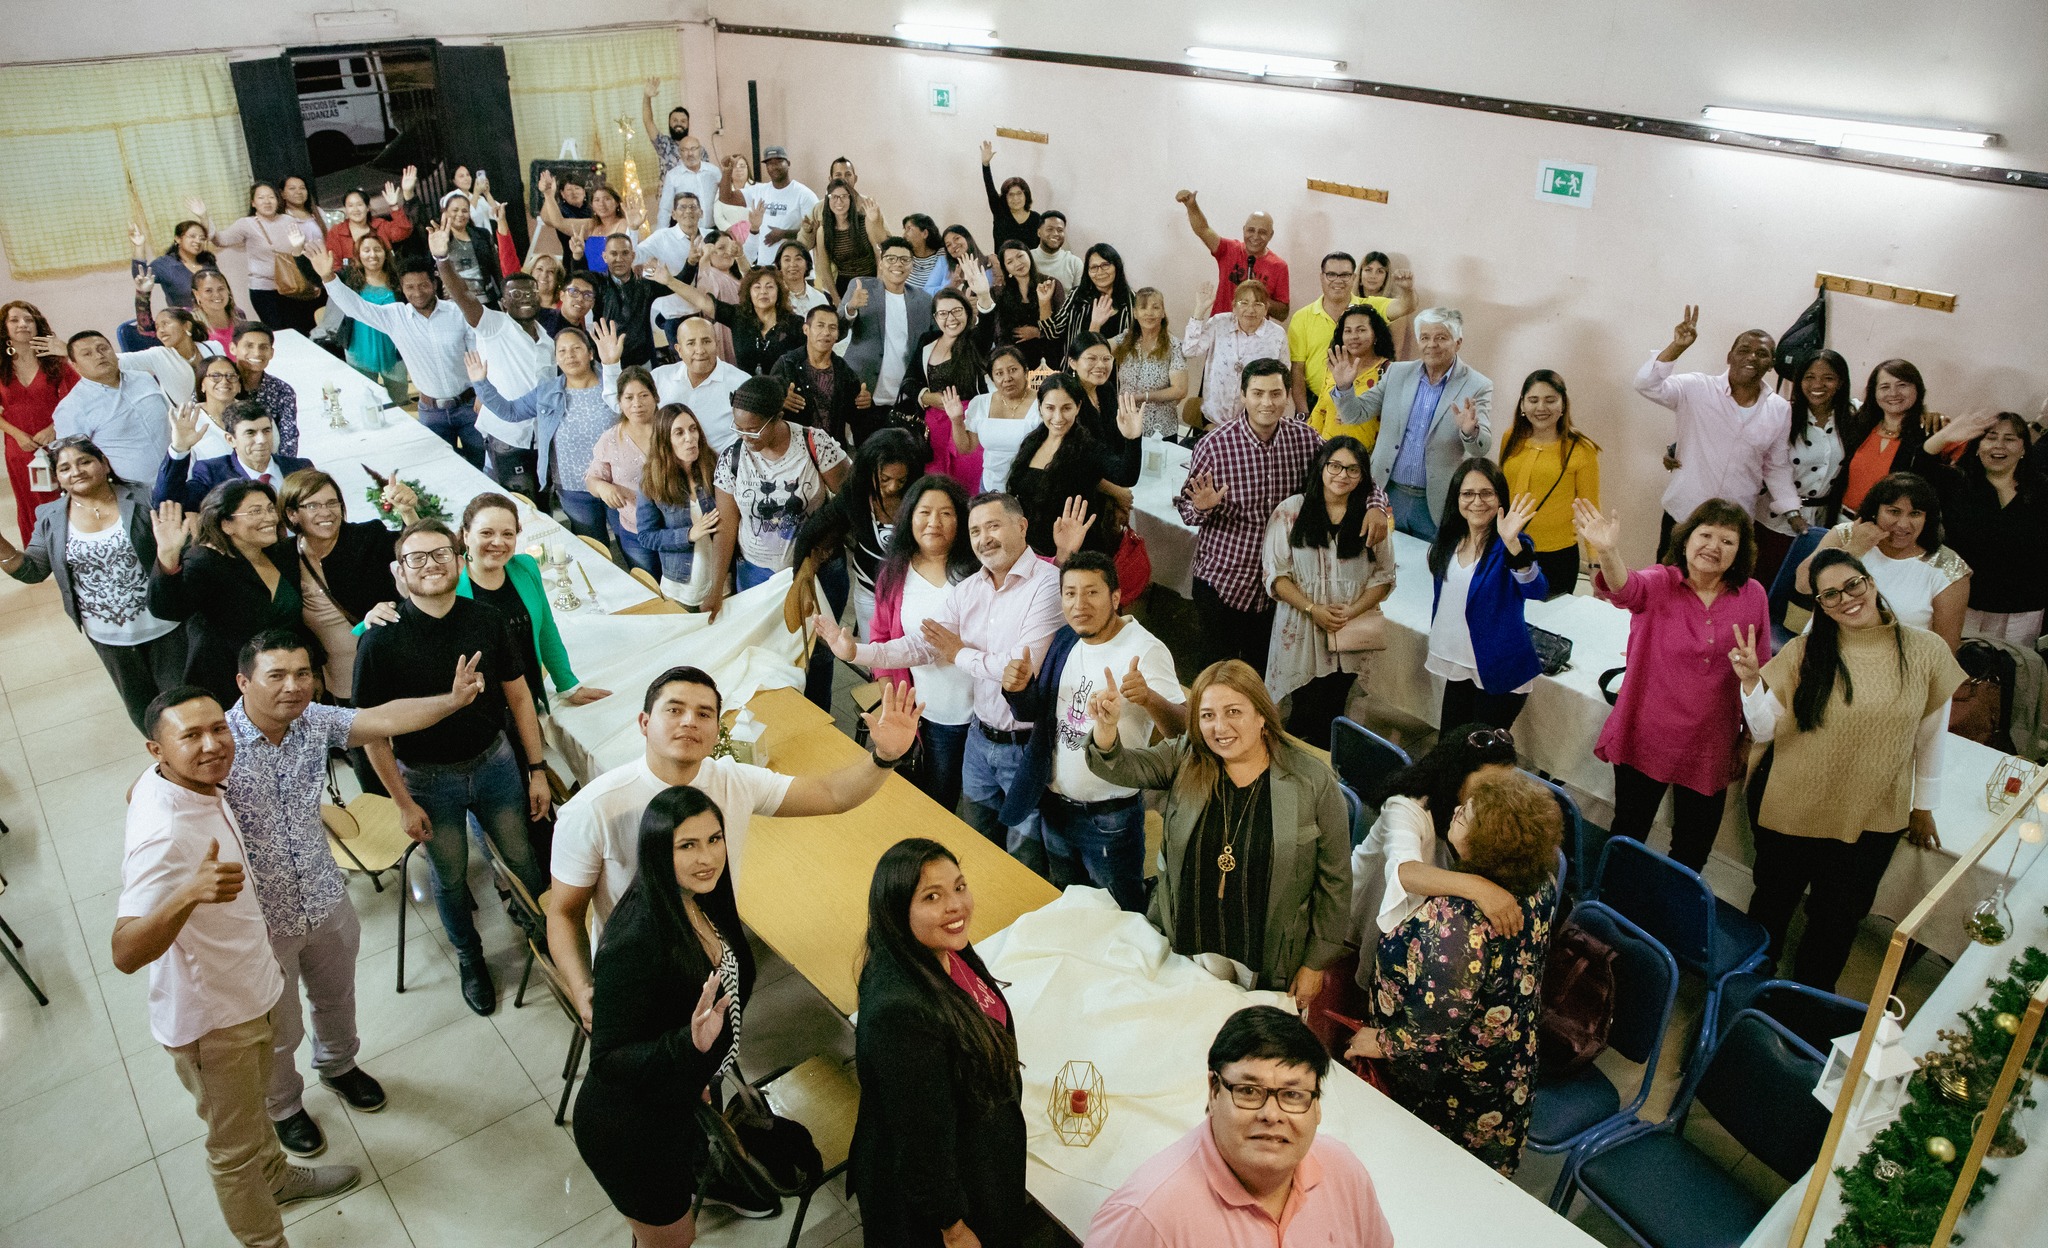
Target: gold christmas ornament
point(2007, 1023)
point(1941, 1149)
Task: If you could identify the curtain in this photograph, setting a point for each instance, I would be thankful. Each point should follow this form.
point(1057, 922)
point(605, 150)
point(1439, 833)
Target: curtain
point(578, 86)
point(96, 147)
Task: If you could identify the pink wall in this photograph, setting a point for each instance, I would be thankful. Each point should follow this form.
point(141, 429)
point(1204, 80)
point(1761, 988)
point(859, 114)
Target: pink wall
point(1589, 292)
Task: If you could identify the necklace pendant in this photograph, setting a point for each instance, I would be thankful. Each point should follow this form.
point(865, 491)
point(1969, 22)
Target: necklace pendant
point(1226, 862)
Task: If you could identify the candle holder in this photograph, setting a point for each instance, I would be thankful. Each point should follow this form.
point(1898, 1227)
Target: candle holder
point(1078, 1105)
point(330, 399)
point(2006, 783)
point(558, 563)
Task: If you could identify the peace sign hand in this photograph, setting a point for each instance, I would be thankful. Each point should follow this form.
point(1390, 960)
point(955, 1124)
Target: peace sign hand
point(145, 282)
point(469, 681)
point(1509, 523)
point(1743, 658)
point(1687, 331)
point(708, 1018)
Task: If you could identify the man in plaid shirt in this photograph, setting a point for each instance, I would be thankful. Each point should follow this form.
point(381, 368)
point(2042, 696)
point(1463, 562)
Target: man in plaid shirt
point(1237, 476)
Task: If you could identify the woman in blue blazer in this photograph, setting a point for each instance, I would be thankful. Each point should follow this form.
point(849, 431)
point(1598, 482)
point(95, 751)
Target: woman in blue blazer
point(1484, 569)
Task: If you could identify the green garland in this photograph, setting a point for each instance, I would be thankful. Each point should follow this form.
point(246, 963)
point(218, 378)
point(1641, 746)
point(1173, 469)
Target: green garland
point(429, 505)
point(1904, 1207)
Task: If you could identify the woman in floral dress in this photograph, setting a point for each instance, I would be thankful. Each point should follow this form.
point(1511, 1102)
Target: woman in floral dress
point(1457, 1002)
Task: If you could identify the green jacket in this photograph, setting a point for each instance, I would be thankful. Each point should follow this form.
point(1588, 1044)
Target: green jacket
point(524, 574)
point(1308, 908)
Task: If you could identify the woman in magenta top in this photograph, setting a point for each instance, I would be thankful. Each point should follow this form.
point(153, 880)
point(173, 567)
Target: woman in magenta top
point(1678, 723)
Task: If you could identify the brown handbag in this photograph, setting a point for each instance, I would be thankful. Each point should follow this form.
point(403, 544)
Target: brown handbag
point(292, 280)
point(1365, 631)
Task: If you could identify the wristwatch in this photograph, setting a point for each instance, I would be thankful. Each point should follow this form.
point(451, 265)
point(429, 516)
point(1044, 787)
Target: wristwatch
point(890, 764)
point(531, 768)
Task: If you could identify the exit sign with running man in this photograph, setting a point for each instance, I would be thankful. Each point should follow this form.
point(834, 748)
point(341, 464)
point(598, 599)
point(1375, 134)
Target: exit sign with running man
point(1562, 182)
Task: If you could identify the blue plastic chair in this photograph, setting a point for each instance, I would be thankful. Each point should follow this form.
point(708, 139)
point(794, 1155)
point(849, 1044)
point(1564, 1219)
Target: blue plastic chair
point(1577, 833)
point(1363, 758)
point(1356, 808)
point(1810, 1013)
point(1577, 1108)
point(129, 338)
point(1784, 588)
point(1708, 936)
point(1665, 1192)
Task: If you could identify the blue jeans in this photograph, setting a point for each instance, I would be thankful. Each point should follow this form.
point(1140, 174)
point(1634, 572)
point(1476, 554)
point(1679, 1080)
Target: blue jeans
point(586, 512)
point(1106, 848)
point(1411, 511)
point(455, 424)
point(636, 555)
point(831, 587)
point(938, 775)
point(987, 771)
point(489, 790)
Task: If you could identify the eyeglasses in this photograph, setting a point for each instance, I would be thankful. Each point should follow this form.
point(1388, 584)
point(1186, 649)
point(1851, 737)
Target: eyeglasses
point(421, 558)
point(319, 509)
point(259, 513)
point(896, 258)
point(226, 379)
point(1343, 471)
point(1476, 496)
point(1254, 1096)
point(1487, 738)
point(1342, 277)
point(1854, 587)
point(754, 434)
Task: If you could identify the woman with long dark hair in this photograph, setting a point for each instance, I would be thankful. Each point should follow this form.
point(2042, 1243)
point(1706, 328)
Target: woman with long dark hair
point(1019, 319)
point(1677, 723)
point(670, 980)
point(1550, 461)
point(926, 256)
point(1102, 305)
point(855, 524)
point(213, 305)
point(1360, 350)
point(928, 554)
point(36, 377)
point(1322, 575)
point(1995, 504)
point(948, 370)
point(995, 423)
point(1116, 420)
point(847, 237)
point(265, 236)
point(240, 578)
point(369, 350)
point(619, 459)
point(1856, 710)
point(175, 268)
point(938, 1148)
point(1887, 434)
point(1057, 461)
point(678, 512)
point(1822, 413)
point(1485, 569)
point(961, 255)
point(1897, 533)
point(345, 568)
point(358, 222)
point(763, 328)
point(1009, 206)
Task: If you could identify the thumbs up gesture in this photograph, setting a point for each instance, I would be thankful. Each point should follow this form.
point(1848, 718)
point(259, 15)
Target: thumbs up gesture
point(1017, 673)
point(213, 881)
point(1133, 687)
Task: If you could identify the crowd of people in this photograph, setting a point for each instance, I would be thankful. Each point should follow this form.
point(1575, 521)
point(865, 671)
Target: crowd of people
point(939, 443)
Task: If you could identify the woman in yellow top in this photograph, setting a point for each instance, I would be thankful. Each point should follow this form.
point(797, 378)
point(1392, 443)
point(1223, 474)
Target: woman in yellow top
point(1547, 459)
point(1364, 347)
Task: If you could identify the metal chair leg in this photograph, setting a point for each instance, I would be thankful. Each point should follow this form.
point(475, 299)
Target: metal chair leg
point(519, 998)
point(569, 1080)
point(803, 1206)
point(404, 904)
point(9, 933)
point(28, 979)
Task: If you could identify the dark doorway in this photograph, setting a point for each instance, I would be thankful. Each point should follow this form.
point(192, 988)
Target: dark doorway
point(368, 112)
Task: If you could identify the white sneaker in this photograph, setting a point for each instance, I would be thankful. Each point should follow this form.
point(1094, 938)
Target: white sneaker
point(315, 1183)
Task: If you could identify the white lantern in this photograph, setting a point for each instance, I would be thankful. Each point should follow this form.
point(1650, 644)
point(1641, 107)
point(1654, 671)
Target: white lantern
point(1887, 1068)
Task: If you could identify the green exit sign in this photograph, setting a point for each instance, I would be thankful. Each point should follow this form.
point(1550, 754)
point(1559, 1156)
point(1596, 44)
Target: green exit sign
point(943, 96)
point(1563, 182)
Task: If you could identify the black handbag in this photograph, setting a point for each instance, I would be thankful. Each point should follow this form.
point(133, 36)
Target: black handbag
point(1553, 650)
point(752, 1152)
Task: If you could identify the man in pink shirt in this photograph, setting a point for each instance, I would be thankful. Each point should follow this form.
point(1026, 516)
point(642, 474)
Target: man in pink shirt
point(1236, 261)
point(1252, 1173)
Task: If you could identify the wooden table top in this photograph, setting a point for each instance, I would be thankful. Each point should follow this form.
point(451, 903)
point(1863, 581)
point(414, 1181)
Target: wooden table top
point(805, 891)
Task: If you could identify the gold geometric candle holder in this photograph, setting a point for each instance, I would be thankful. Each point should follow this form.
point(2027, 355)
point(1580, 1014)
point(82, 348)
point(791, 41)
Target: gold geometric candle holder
point(2003, 789)
point(1078, 1105)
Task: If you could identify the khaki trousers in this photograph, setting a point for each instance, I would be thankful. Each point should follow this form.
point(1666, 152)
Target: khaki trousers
point(226, 1071)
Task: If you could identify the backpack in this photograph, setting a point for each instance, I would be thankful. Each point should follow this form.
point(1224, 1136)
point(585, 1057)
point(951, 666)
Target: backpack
point(1578, 1001)
point(753, 1152)
point(1982, 707)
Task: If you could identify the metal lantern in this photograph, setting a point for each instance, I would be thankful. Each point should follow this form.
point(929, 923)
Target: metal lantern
point(1886, 1070)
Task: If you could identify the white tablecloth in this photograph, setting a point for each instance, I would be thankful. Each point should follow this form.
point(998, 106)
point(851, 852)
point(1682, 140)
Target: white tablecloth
point(2011, 1215)
point(746, 651)
point(1087, 981)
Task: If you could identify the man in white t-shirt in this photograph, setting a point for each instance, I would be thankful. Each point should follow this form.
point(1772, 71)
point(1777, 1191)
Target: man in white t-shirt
point(1094, 830)
point(187, 913)
point(788, 202)
point(597, 832)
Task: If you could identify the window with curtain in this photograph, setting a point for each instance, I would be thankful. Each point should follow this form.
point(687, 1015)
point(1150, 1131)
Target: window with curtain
point(92, 148)
point(578, 86)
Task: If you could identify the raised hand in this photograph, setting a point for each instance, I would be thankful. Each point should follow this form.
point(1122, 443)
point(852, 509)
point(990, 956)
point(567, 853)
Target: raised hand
point(214, 882)
point(1045, 289)
point(869, 208)
point(836, 638)
point(1468, 417)
point(579, 229)
point(410, 178)
point(1519, 512)
point(1687, 331)
point(167, 523)
point(988, 151)
point(611, 344)
point(323, 260)
point(708, 1018)
point(1343, 369)
point(475, 366)
point(1183, 197)
point(390, 194)
point(1133, 686)
point(1106, 708)
point(865, 399)
point(976, 279)
point(892, 726)
point(400, 498)
point(469, 680)
point(1205, 298)
point(1404, 281)
point(1099, 314)
point(858, 297)
point(1017, 673)
point(545, 183)
point(652, 89)
point(437, 240)
point(1204, 493)
point(145, 282)
point(949, 399)
point(136, 236)
point(185, 418)
point(1130, 415)
point(1071, 527)
point(757, 214)
point(659, 273)
point(792, 401)
point(1864, 536)
point(197, 207)
point(48, 344)
point(1598, 529)
point(1743, 658)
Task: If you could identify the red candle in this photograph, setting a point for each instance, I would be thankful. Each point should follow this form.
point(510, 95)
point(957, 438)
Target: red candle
point(2012, 785)
point(1077, 1102)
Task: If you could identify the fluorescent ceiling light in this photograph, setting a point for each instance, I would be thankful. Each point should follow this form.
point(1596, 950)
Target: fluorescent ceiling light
point(966, 36)
point(1869, 136)
point(1244, 62)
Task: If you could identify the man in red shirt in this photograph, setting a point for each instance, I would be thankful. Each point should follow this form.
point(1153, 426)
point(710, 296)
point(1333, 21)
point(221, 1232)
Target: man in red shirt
point(1236, 261)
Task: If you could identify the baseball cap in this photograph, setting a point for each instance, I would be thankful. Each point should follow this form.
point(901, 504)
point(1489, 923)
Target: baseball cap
point(777, 152)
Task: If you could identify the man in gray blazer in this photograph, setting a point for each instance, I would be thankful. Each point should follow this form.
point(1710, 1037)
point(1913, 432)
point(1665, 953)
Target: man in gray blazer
point(1435, 417)
point(887, 319)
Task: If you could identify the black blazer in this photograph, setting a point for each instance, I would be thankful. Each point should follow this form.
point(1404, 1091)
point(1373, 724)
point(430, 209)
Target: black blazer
point(839, 417)
point(357, 571)
point(924, 1157)
point(224, 604)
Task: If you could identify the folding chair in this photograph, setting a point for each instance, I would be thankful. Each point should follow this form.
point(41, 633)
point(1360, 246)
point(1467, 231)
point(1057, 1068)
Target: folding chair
point(1813, 1015)
point(367, 836)
point(1785, 595)
point(824, 1096)
point(1363, 758)
point(1670, 901)
point(8, 953)
point(531, 914)
point(646, 578)
point(1663, 1191)
point(1355, 809)
point(595, 545)
point(1579, 842)
point(1573, 1109)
